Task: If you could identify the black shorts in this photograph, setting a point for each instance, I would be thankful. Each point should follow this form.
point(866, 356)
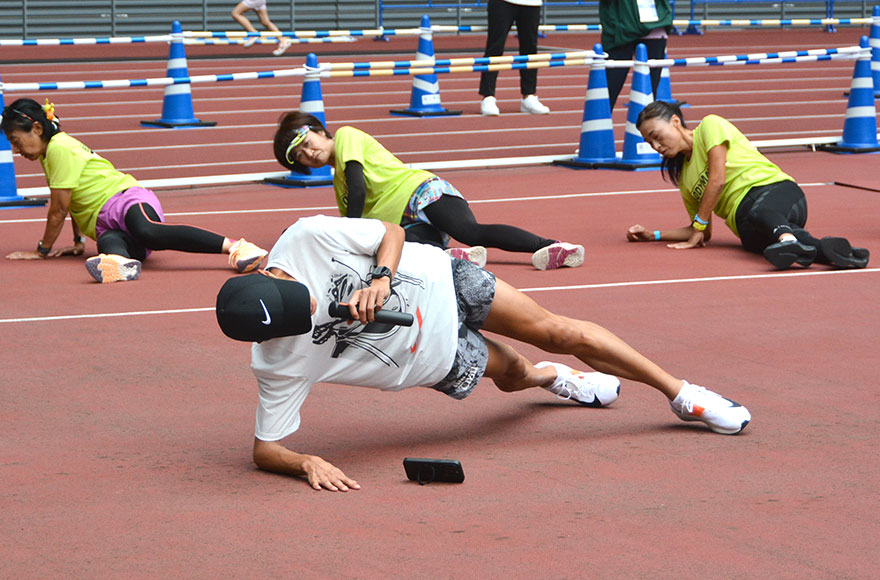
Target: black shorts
point(474, 293)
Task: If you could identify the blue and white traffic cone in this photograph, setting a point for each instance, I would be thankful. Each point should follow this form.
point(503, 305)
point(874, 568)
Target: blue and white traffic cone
point(425, 99)
point(177, 106)
point(636, 153)
point(875, 50)
point(860, 124)
point(664, 87)
point(312, 102)
point(8, 190)
point(597, 131)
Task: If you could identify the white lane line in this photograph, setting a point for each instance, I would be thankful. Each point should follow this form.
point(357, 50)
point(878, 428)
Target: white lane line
point(538, 289)
point(472, 202)
point(707, 279)
point(103, 315)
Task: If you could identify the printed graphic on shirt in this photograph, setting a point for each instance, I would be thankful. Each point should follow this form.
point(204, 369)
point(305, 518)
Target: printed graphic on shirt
point(700, 186)
point(364, 337)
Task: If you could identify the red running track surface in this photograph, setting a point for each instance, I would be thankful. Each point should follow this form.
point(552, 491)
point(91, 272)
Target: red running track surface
point(126, 445)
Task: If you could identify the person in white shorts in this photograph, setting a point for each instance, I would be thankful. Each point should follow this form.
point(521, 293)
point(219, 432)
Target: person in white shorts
point(285, 311)
point(258, 6)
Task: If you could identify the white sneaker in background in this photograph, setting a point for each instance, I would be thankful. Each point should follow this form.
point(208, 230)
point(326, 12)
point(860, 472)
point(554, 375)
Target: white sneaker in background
point(283, 45)
point(533, 106)
point(489, 107)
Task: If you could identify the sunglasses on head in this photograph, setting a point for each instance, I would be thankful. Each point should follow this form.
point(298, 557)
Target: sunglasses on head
point(297, 140)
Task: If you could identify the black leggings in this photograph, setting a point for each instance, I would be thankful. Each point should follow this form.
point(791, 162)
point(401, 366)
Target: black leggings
point(452, 215)
point(501, 16)
point(768, 211)
point(617, 76)
point(147, 232)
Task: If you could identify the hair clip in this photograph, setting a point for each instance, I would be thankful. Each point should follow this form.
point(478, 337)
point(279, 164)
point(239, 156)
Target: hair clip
point(296, 141)
point(49, 109)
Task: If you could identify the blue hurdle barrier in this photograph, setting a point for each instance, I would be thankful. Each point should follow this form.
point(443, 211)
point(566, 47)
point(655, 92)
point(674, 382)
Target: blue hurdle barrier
point(693, 26)
point(328, 70)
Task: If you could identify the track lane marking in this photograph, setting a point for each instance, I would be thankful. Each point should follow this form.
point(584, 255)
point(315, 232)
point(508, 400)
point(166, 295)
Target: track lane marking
point(537, 289)
point(472, 202)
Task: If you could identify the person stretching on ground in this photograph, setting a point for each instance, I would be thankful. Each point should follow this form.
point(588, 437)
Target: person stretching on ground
point(719, 171)
point(370, 182)
point(104, 204)
point(367, 264)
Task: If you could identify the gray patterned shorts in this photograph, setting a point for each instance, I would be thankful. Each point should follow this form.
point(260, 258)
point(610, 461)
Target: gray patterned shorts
point(474, 293)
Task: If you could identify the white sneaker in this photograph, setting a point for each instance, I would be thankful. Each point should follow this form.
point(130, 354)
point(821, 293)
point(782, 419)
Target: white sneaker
point(558, 255)
point(475, 255)
point(489, 107)
point(283, 45)
point(590, 389)
point(245, 256)
point(695, 403)
point(249, 41)
point(107, 268)
point(533, 106)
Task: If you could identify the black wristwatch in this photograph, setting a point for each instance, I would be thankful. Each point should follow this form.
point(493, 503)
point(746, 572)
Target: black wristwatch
point(43, 250)
point(380, 271)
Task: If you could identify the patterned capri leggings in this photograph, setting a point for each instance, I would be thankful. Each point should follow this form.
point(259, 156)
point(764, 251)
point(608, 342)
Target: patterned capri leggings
point(474, 293)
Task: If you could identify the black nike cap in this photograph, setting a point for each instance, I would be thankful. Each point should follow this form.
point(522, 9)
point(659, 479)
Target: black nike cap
point(257, 307)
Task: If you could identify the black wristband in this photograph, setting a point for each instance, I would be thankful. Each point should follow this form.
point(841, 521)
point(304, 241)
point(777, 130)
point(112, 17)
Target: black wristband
point(380, 271)
point(44, 251)
point(79, 239)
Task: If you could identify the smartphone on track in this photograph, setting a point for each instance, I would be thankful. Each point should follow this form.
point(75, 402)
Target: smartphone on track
point(430, 470)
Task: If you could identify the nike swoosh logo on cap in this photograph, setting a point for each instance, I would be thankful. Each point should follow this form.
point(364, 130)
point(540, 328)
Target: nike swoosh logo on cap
point(268, 320)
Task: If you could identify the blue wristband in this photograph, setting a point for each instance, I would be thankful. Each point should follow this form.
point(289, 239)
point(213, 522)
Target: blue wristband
point(700, 220)
point(657, 235)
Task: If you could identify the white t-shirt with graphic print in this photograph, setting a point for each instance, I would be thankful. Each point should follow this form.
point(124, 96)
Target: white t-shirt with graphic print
point(332, 257)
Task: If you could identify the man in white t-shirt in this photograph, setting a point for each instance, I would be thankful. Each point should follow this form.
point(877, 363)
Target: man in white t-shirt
point(365, 263)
